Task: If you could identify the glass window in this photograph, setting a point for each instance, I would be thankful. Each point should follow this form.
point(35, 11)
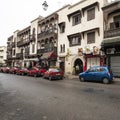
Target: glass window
point(76, 19)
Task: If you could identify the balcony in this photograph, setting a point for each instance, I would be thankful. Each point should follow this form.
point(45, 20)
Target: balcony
point(9, 48)
point(47, 34)
point(13, 44)
point(41, 51)
point(19, 55)
point(23, 42)
point(9, 57)
point(114, 30)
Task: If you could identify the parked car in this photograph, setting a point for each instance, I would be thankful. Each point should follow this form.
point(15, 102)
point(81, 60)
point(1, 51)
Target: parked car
point(22, 71)
point(5, 69)
point(13, 70)
point(1, 69)
point(54, 73)
point(97, 73)
point(35, 71)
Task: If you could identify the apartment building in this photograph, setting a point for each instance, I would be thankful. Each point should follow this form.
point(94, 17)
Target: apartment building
point(80, 36)
point(111, 41)
point(3, 55)
point(47, 40)
point(9, 51)
point(22, 46)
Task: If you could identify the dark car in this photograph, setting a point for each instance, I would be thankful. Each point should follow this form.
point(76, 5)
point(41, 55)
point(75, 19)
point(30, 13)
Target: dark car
point(22, 71)
point(97, 73)
point(35, 71)
point(54, 73)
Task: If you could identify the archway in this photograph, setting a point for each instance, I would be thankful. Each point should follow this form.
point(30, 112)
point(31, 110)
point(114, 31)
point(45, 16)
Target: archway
point(78, 66)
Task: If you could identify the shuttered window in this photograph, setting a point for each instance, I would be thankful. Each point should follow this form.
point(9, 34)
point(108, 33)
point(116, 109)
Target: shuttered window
point(90, 37)
point(91, 14)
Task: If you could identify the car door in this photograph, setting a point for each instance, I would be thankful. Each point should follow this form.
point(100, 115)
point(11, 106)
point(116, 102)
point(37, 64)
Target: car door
point(89, 75)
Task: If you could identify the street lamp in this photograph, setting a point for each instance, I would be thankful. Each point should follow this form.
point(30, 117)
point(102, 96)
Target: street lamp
point(45, 5)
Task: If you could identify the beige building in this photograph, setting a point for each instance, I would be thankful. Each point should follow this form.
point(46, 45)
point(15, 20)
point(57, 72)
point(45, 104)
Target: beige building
point(80, 36)
point(3, 55)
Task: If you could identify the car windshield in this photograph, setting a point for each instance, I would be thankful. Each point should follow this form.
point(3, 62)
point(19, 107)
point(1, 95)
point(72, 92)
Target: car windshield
point(54, 70)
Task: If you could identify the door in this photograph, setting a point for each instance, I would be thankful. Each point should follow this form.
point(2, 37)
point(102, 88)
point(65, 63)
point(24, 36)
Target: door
point(78, 66)
point(115, 65)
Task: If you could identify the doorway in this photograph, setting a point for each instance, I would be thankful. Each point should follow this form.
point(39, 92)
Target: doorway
point(78, 66)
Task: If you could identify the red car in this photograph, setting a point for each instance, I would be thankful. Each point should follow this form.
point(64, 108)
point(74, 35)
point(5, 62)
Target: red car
point(54, 73)
point(36, 72)
point(13, 70)
point(5, 69)
point(22, 71)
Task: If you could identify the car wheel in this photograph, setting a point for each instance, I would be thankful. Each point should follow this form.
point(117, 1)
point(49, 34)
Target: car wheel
point(105, 81)
point(82, 79)
point(35, 75)
point(22, 74)
point(50, 78)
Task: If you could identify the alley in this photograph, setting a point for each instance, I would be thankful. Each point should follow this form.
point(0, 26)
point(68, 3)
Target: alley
point(30, 98)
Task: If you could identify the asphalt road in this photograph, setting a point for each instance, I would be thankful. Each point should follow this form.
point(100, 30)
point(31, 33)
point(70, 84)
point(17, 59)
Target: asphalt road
point(29, 98)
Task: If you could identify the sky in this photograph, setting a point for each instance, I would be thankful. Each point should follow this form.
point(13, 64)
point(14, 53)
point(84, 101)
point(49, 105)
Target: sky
point(17, 14)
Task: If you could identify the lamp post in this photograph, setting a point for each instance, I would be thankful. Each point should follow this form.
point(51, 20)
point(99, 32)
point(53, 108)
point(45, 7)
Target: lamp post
point(45, 5)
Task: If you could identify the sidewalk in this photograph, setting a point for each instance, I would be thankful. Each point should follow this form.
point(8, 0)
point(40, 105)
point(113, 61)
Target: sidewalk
point(70, 76)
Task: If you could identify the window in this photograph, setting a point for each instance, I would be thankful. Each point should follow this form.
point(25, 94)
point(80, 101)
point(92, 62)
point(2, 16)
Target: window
point(76, 19)
point(1, 57)
point(91, 14)
point(62, 48)
point(90, 37)
point(62, 28)
point(75, 40)
point(14, 52)
point(33, 48)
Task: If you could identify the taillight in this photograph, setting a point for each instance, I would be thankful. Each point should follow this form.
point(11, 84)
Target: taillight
point(108, 72)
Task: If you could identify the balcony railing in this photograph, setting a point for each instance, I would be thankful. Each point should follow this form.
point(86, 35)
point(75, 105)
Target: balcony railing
point(41, 51)
point(19, 55)
point(49, 33)
point(112, 33)
point(9, 57)
point(23, 42)
point(13, 44)
point(9, 48)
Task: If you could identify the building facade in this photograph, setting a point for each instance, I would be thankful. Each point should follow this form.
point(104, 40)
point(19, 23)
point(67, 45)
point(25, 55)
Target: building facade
point(111, 41)
point(80, 35)
point(3, 55)
point(69, 38)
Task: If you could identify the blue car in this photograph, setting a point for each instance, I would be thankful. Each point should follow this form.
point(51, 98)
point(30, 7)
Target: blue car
point(97, 73)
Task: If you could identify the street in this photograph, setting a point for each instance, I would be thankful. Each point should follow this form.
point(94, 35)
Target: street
point(30, 98)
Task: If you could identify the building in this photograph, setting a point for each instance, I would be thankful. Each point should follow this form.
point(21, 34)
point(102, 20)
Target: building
point(111, 42)
point(69, 38)
point(47, 40)
point(3, 55)
point(80, 35)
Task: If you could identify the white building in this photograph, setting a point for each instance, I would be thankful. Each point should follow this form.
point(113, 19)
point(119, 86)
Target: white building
point(80, 35)
point(3, 55)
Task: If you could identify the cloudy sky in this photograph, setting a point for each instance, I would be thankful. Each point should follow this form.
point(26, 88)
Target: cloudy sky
point(17, 14)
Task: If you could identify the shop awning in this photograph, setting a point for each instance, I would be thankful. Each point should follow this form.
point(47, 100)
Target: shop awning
point(49, 55)
point(111, 42)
